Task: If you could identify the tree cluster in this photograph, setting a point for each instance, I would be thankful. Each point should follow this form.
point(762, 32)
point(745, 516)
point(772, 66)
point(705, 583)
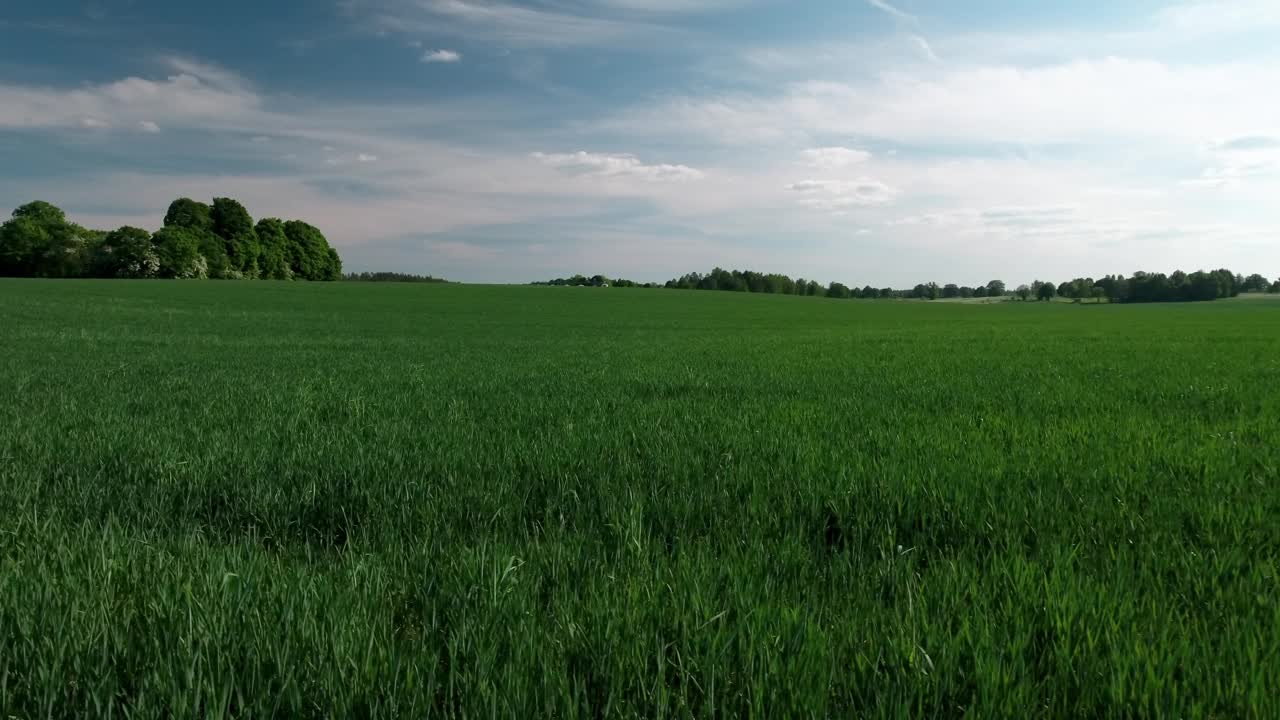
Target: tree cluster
point(197, 241)
point(391, 277)
point(1145, 287)
point(593, 281)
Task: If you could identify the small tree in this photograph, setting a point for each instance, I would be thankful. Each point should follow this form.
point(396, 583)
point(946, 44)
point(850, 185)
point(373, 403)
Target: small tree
point(1046, 292)
point(1023, 292)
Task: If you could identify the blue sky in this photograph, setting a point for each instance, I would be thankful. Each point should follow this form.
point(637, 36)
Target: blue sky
point(866, 141)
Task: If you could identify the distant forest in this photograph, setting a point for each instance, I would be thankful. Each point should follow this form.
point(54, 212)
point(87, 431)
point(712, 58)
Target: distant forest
point(1141, 287)
point(391, 277)
point(197, 241)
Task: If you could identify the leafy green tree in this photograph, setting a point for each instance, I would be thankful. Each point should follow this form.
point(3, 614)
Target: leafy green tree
point(1275, 287)
point(838, 290)
point(214, 252)
point(273, 262)
point(1256, 283)
point(41, 212)
point(67, 253)
point(1046, 291)
point(1023, 292)
point(1202, 286)
point(309, 253)
point(187, 213)
point(1227, 286)
point(126, 253)
point(39, 242)
point(178, 249)
point(232, 223)
point(22, 240)
point(951, 290)
point(995, 288)
point(27, 236)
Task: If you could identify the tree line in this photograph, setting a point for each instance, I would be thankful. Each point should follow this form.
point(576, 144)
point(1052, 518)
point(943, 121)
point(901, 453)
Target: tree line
point(391, 277)
point(594, 281)
point(198, 240)
point(1141, 287)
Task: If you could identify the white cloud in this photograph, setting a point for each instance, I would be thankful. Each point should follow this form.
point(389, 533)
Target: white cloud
point(195, 92)
point(366, 158)
point(829, 158)
point(605, 165)
point(441, 56)
point(147, 126)
point(841, 194)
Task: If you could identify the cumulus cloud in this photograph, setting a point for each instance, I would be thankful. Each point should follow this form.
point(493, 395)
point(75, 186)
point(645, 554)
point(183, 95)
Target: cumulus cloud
point(606, 165)
point(441, 56)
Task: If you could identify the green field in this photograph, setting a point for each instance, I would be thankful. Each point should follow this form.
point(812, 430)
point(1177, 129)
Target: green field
point(234, 499)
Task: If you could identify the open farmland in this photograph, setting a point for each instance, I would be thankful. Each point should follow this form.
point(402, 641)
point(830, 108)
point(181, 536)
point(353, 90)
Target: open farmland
point(424, 500)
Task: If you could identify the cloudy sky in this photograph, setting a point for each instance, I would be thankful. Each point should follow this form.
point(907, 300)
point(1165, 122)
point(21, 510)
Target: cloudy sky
point(866, 141)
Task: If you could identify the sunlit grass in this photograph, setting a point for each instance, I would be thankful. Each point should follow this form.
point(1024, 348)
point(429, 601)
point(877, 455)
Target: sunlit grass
point(222, 499)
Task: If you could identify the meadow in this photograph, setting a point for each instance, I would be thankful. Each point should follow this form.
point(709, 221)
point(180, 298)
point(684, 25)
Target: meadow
point(358, 499)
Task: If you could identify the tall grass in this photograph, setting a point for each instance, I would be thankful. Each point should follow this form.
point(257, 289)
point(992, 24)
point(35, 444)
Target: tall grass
point(235, 500)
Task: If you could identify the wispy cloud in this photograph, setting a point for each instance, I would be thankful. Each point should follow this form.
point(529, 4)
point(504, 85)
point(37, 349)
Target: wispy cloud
point(925, 48)
point(891, 10)
point(441, 56)
point(606, 165)
point(533, 26)
point(840, 194)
